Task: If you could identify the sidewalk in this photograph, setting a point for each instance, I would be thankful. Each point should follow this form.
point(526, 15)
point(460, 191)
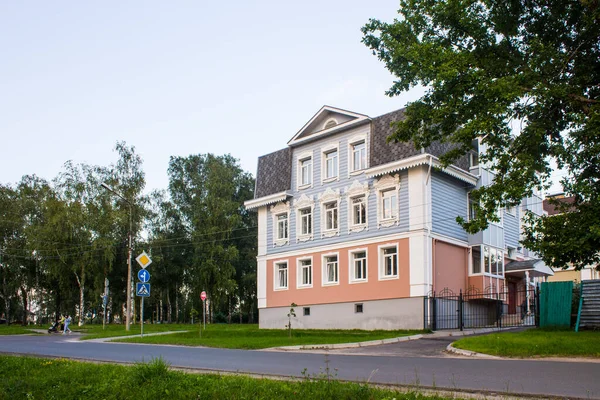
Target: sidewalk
point(338, 346)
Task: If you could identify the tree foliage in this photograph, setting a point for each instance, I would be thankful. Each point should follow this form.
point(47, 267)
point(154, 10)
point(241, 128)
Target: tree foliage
point(490, 66)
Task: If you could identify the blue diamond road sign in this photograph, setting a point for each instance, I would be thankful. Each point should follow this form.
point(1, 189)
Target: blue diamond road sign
point(143, 289)
point(144, 276)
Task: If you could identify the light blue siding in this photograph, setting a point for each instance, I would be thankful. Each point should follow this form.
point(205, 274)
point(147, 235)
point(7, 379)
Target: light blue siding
point(511, 230)
point(343, 184)
point(449, 200)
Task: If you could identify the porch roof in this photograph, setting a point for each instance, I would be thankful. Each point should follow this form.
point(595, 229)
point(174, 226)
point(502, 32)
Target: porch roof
point(534, 267)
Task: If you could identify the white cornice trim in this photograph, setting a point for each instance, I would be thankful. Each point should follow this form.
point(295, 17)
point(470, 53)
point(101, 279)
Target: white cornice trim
point(266, 200)
point(415, 161)
point(323, 109)
point(338, 128)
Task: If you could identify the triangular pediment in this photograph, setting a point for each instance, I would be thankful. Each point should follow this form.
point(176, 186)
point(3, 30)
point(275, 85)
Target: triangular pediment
point(326, 120)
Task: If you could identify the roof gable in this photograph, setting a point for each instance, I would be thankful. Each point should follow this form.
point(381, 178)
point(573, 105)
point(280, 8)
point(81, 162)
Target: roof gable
point(326, 120)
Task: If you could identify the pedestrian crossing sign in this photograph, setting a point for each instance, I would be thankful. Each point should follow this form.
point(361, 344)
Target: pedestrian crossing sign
point(142, 289)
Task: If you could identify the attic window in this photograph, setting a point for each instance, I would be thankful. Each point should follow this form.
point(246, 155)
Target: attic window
point(330, 123)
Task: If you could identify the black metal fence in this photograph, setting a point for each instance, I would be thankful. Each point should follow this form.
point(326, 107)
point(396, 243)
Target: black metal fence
point(508, 307)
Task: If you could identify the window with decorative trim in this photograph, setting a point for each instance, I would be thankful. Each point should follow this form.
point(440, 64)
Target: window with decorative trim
point(330, 201)
point(358, 265)
point(331, 216)
point(330, 166)
point(357, 197)
point(387, 200)
point(280, 213)
point(358, 153)
point(359, 211)
point(304, 172)
point(331, 270)
point(305, 273)
point(280, 275)
point(388, 262)
point(304, 218)
point(305, 221)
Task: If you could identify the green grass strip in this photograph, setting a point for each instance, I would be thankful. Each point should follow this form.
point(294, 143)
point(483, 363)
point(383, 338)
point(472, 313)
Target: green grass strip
point(535, 343)
point(36, 378)
point(19, 330)
point(250, 337)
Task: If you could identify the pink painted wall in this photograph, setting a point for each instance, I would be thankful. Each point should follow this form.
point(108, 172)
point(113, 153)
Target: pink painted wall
point(450, 266)
point(373, 289)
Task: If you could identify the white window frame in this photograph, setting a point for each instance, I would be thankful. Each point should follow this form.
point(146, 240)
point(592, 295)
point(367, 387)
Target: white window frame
point(363, 160)
point(303, 203)
point(325, 151)
point(486, 268)
point(357, 190)
point(328, 197)
point(351, 204)
point(382, 258)
point(351, 275)
point(301, 217)
point(384, 185)
point(324, 265)
point(300, 273)
point(335, 220)
point(276, 281)
point(352, 142)
point(389, 196)
point(282, 234)
point(280, 208)
point(306, 156)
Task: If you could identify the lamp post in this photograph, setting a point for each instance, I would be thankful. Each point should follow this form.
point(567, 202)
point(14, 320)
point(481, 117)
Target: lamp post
point(128, 311)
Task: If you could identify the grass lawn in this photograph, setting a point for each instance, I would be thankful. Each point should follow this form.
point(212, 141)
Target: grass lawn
point(36, 378)
point(112, 330)
point(250, 337)
point(535, 343)
point(18, 329)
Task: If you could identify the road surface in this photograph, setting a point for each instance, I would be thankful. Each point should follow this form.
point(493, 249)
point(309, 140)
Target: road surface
point(394, 366)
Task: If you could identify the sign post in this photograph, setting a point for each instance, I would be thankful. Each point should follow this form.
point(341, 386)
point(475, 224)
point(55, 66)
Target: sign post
point(203, 297)
point(143, 287)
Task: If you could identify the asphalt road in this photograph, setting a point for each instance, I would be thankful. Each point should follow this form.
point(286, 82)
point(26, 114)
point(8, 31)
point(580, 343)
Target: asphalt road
point(401, 363)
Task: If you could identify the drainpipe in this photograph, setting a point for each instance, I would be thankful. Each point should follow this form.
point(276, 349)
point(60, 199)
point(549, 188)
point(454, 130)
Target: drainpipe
point(428, 221)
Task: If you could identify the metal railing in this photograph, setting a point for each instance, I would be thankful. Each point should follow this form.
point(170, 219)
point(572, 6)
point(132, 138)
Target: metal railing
point(508, 307)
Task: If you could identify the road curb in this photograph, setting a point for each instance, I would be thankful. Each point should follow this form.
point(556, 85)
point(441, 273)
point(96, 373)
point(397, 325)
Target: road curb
point(347, 345)
point(468, 353)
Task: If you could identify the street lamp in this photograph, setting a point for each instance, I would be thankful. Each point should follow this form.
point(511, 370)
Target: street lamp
point(128, 311)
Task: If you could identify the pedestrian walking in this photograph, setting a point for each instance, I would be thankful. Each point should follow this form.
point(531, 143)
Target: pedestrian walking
point(67, 322)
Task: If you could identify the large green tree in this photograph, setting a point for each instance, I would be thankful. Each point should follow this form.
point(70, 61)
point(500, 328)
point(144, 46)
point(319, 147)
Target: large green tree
point(487, 64)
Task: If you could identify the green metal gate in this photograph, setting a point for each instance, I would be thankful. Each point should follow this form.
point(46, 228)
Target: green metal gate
point(555, 304)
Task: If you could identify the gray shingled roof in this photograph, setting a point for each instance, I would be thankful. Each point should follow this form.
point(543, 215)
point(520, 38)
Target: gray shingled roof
point(519, 265)
point(383, 152)
point(274, 173)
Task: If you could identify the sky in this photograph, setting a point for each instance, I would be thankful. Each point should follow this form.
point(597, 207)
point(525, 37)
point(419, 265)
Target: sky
point(178, 78)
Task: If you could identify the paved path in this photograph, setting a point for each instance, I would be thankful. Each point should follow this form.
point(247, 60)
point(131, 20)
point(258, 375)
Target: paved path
point(545, 378)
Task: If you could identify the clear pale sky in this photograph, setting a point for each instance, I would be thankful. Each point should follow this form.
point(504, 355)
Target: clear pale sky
point(177, 78)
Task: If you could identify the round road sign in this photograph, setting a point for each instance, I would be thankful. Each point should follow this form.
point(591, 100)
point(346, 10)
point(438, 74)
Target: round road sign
point(203, 295)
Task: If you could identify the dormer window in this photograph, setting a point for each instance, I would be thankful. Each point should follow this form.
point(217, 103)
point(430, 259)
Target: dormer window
point(330, 123)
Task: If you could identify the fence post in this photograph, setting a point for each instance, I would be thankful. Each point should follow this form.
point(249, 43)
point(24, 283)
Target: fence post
point(433, 313)
point(537, 306)
point(460, 310)
point(499, 310)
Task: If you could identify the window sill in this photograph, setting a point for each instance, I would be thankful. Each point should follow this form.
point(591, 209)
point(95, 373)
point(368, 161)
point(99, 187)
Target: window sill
point(389, 277)
point(355, 281)
point(324, 284)
point(304, 286)
point(357, 172)
point(302, 187)
point(330, 233)
point(280, 289)
point(328, 180)
point(386, 223)
point(280, 242)
point(358, 228)
point(304, 238)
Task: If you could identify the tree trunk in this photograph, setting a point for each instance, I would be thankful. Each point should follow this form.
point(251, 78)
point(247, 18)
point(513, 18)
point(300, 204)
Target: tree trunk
point(168, 306)
point(176, 304)
point(25, 308)
point(161, 310)
point(81, 283)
